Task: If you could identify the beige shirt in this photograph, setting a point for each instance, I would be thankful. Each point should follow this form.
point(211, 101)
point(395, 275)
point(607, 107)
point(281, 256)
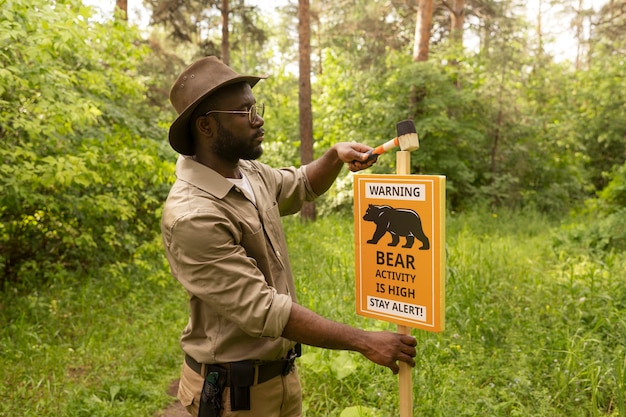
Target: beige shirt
point(230, 254)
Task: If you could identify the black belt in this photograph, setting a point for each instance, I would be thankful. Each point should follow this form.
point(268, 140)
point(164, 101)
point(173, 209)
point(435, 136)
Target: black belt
point(266, 371)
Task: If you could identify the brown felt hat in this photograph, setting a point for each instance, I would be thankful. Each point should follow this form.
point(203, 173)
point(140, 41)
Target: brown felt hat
point(192, 86)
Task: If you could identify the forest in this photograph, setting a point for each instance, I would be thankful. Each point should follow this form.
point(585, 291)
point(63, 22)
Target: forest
point(516, 121)
point(85, 111)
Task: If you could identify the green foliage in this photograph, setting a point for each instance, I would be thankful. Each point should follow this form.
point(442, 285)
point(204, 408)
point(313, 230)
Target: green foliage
point(600, 122)
point(493, 141)
point(365, 105)
point(449, 122)
point(600, 225)
point(198, 25)
point(507, 125)
point(535, 311)
point(103, 343)
point(613, 196)
point(532, 330)
point(280, 94)
point(82, 171)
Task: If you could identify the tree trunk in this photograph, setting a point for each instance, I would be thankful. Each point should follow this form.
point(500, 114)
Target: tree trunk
point(422, 30)
point(225, 33)
point(122, 5)
point(421, 48)
point(306, 112)
point(457, 20)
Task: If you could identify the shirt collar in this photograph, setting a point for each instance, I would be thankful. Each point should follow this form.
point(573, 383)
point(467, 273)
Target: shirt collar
point(201, 176)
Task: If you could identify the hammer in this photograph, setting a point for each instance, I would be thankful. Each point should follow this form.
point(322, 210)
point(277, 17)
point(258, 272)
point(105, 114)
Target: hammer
point(407, 140)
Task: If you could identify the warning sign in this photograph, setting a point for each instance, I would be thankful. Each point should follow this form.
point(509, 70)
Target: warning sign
point(400, 255)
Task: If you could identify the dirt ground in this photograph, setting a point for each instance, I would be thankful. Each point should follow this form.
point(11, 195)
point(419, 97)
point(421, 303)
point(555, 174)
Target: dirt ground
point(175, 409)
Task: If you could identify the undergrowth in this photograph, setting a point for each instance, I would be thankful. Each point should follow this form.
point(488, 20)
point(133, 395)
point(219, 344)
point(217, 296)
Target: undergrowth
point(534, 327)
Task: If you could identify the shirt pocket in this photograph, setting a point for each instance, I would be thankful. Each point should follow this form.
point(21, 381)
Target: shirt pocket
point(265, 248)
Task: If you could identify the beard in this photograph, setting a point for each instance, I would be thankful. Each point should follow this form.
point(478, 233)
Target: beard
point(232, 147)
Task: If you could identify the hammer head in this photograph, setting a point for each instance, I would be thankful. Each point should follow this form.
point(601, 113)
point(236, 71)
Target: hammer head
point(407, 136)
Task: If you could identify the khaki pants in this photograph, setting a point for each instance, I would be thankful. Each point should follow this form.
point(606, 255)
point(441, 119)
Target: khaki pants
point(279, 397)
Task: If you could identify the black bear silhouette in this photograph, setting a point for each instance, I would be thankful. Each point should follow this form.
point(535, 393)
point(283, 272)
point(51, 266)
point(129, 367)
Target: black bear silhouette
point(398, 222)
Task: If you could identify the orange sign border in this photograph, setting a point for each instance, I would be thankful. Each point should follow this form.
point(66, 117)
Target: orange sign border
point(437, 238)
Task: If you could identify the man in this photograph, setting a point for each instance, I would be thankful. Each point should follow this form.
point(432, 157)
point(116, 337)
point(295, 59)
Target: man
point(225, 244)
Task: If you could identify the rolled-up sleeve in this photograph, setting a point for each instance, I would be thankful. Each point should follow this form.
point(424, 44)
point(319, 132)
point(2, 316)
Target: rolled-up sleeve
point(214, 267)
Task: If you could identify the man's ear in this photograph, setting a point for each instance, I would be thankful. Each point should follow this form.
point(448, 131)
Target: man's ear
point(206, 125)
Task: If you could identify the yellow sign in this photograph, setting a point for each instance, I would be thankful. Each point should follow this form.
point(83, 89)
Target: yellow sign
point(399, 227)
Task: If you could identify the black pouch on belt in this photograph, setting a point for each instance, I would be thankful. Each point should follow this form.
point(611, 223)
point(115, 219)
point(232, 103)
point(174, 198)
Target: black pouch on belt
point(211, 395)
point(241, 378)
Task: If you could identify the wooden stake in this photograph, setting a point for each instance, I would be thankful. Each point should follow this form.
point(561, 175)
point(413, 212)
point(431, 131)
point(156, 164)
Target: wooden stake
point(405, 383)
point(403, 163)
point(403, 167)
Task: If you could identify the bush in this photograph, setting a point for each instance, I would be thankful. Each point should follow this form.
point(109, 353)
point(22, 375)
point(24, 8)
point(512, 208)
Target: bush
point(601, 225)
point(82, 174)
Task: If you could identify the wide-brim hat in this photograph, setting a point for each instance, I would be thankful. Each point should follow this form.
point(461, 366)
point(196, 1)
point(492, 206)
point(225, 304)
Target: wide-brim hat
point(192, 86)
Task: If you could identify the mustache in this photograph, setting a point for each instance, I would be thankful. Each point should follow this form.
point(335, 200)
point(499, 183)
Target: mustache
point(260, 132)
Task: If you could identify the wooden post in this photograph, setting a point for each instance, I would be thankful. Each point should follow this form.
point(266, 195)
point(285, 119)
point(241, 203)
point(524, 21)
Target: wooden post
point(403, 167)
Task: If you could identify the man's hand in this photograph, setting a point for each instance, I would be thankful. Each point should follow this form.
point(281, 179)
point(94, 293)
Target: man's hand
point(383, 348)
point(355, 155)
point(386, 348)
point(323, 171)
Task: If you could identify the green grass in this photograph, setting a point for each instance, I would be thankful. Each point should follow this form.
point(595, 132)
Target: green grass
point(104, 345)
point(534, 328)
point(531, 329)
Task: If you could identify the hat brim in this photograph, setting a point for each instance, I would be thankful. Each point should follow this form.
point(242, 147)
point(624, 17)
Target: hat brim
point(180, 135)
